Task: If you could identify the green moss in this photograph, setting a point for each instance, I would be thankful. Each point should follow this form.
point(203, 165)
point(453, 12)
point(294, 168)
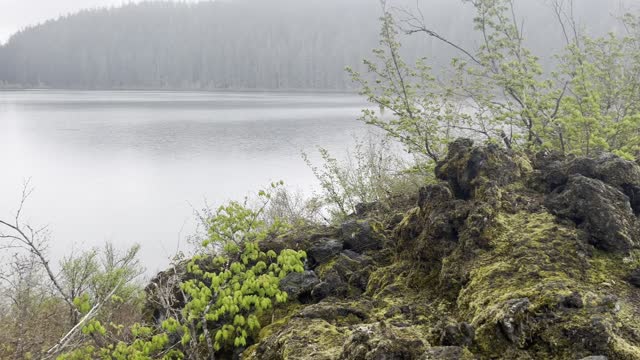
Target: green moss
point(531, 285)
point(606, 267)
point(523, 163)
point(383, 340)
point(301, 339)
point(530, 257)
point(349, 319)
point(377, 228)
point(467, 355)
point(277, 318)
point(323, 269)
point(410, 217)
point(403, 277)
point(533, 257)
point(275, 326)
point(529, 251)
point(623, 349)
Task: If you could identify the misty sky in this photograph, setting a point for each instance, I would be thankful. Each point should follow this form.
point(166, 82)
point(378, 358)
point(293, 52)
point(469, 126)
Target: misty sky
point(17, 14)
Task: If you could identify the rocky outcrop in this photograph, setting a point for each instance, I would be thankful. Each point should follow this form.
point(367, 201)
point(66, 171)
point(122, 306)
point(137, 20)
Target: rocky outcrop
point(505, 256)
point(467, 168)
point(601, 210)
point(324, 250)
point(299, 285)
point(360, 235)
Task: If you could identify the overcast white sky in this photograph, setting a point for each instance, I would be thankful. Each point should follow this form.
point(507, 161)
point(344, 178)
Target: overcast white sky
point(17, 14)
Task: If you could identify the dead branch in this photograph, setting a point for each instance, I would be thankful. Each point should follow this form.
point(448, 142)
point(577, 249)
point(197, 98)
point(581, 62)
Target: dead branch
point(64, 341)
point(33, 240)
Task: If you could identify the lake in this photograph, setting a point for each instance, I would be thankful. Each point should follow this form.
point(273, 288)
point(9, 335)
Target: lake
point(131, 166)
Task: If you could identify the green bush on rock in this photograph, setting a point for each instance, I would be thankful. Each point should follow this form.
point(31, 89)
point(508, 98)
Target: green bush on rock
point(245, 281)
point(230, 283)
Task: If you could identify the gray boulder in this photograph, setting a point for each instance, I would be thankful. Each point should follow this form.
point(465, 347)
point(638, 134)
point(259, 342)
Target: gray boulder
point(601, 210)
point(324, 249)
point(467, 167)
point(359, 236)
point(299, 285)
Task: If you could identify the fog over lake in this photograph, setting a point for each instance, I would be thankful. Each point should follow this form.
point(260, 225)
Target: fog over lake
point(128, 166)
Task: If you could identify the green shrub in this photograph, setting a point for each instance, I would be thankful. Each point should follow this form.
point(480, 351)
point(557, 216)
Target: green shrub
point(240, 281)
point(231, 284)
point(499, 91)
point(373, 172)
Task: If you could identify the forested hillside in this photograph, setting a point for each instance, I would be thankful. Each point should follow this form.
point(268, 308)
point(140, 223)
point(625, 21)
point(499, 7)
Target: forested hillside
point(268, 44)
point(275, 44)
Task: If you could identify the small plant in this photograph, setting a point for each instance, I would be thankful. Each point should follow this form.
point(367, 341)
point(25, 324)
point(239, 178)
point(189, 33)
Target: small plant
point(292, 207)
point(235, 281)
point(372, 173)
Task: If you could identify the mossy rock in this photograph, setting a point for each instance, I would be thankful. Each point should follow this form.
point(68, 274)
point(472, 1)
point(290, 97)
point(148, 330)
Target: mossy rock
point(383, 341)
point(507, 257)
point(363, 235)
point(300, 339)
point(346, 275)
point(447, 353)
point(539, 289)
point(467, 167)
point(602, 211)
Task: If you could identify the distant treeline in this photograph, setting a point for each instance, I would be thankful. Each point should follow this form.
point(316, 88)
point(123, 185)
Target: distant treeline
point(268, 44)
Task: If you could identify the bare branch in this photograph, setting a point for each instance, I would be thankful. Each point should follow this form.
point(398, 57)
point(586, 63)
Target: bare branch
point(415, 25)
point(33, 241)
point(64, 341)
point(559, 100)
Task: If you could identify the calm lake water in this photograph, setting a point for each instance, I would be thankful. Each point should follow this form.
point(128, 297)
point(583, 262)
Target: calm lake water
point(129, 167)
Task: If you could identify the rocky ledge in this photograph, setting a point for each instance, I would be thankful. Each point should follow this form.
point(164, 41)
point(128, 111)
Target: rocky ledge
point(506, 257)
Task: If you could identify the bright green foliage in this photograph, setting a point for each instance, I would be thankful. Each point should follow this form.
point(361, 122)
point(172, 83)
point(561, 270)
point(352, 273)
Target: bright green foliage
point(149, 343)
point(500, 92)
point(94, 327)
point(83, 353)
point(83, 303)
point(233, 283)
point(240, 281)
